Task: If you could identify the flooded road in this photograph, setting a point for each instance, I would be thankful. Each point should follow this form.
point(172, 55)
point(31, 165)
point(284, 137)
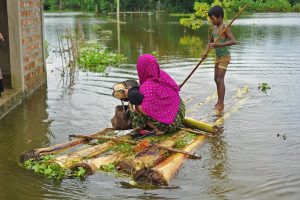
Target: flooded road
point(256, 157)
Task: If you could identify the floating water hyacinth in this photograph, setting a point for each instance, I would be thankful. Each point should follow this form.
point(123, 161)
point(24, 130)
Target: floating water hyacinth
point(264, 87)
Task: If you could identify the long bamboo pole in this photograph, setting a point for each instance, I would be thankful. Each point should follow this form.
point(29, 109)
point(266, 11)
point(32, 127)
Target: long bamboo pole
point(208, 50)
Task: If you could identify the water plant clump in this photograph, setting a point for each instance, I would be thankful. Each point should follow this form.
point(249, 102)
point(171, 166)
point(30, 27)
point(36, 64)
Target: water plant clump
point(93, 58)
point(264, 87)
point(51, 170)
point(109, 167)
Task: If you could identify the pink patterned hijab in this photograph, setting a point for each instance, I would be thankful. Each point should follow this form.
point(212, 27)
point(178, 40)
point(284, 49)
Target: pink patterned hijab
point(161, 93)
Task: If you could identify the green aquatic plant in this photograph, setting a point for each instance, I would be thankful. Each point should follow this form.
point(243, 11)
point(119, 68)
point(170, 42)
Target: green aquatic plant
point(79, 173)
point(109, 167)
point(159, 138)
point(181, 143)
point(93, 58)
point(264, 87)
point(51, 170)
point(123, 148)
point(45, 167)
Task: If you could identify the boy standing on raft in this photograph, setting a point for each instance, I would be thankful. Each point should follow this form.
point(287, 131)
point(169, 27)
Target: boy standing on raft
point(216, 15)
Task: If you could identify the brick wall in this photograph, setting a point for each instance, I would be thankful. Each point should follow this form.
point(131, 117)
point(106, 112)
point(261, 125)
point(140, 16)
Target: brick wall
point(32, 43)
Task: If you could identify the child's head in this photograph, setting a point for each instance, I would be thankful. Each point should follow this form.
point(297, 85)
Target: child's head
point(216, 15)
point(135, 97)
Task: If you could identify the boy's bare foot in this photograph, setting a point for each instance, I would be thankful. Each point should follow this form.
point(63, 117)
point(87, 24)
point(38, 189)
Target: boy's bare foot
point(219, 108)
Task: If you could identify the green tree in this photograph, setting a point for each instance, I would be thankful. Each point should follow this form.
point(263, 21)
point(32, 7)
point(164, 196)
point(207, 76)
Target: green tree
point(196, 20)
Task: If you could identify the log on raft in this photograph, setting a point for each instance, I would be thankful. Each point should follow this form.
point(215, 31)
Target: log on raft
point(68, 161)
point(94, 164)
point(162, 173)
point(148, 157)
point(37, 153)
point(203, 126)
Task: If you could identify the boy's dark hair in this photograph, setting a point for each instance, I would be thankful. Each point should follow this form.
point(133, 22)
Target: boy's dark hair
point(216, 11)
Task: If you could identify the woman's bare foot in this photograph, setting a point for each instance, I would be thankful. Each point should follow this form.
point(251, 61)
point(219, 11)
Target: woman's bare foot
point(159, 132)
point(137, 129)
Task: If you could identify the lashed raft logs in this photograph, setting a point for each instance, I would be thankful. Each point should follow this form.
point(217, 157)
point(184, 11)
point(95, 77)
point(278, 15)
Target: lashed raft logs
point(36, 153)
point(148, 157)
point(155, 163)
point(163, 172)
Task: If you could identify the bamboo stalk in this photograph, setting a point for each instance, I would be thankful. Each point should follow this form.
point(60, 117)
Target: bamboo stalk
point(36, 153)
point(67, 161)
point(163, 172)
point(203, 126)
point(199, 132)
point(94, 164)
point(119, 140)
point(147, 158)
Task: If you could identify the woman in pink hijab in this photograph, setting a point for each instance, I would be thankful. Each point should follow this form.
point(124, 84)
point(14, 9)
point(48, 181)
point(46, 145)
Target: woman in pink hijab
point(157, 102)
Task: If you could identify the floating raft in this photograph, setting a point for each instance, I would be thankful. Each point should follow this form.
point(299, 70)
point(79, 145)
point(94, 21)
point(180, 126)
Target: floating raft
point(110, 151)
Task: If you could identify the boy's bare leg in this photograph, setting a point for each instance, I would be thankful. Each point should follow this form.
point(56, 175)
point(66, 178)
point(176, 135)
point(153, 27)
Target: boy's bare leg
point(219, 79)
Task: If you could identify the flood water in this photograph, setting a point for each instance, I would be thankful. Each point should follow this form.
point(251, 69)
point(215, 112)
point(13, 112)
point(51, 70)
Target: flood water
point(248, 161)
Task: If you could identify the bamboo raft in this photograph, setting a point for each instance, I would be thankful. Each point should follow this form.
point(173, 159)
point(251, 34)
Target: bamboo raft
point(153, 164)
point(152, 160)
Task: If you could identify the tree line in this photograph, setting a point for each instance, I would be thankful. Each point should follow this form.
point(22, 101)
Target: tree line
point(169, 6)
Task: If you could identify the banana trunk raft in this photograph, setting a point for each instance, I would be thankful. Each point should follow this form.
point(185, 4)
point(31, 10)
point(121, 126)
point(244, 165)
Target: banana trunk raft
point(152, 160)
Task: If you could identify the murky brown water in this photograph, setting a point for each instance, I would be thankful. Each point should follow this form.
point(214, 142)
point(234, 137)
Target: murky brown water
point(249, 161)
